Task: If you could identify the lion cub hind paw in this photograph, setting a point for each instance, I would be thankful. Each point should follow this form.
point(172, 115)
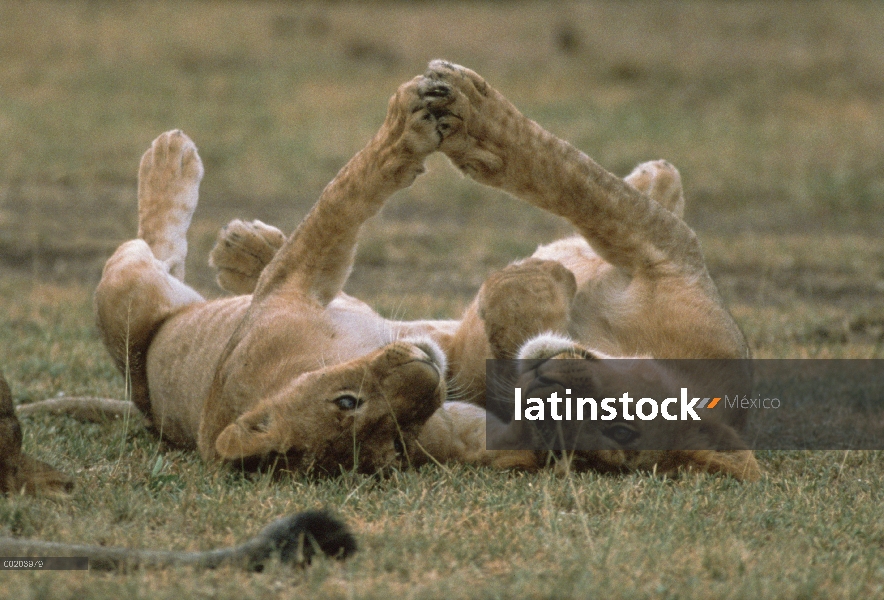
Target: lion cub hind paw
point(661, 181)
point(168, 188)
point(241, 252)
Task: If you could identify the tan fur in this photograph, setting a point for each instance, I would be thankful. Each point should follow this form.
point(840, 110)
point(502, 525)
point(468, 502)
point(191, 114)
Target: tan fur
point(20, 473)
point(633, 283)
point(269, 376)
point(242, 252)
point(642, 283)
point(642, 287)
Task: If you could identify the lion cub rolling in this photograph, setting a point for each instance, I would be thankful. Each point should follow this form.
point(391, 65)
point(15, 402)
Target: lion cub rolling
point(301, 373)
point(297, 372)
point(633, 283)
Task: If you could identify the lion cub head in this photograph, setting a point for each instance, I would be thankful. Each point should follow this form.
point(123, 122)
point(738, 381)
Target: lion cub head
point(712, 445)
point(364, 414)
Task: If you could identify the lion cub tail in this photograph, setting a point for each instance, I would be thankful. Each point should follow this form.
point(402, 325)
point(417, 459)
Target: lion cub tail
point(294, 540)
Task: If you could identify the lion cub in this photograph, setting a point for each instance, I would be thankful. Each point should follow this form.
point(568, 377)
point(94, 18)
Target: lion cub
point(632, 283)
point(296, 372)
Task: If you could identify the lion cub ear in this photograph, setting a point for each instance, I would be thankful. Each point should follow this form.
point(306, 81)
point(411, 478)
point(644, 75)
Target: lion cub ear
point(250, 435)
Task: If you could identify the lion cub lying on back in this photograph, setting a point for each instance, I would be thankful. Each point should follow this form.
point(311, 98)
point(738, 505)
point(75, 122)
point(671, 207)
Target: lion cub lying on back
point(301, 372)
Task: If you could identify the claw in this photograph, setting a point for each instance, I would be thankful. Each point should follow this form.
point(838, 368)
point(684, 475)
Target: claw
point(439, 70)
point(433, 96)
point(436, 90)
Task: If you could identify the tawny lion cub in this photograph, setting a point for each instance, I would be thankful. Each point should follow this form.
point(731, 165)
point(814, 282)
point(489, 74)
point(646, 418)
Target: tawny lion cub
point(297, 370)
point(633, 283)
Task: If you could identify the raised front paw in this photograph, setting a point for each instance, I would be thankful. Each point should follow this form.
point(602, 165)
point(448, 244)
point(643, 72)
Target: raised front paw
point(241, 252)
point(418, 119)
point(168, 188)
point(484, 126)
point(523, 300)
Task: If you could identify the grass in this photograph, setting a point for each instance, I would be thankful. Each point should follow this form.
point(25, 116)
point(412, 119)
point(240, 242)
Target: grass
point(772, 111)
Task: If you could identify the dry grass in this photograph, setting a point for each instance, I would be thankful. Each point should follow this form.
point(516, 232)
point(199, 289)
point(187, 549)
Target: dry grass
point(774, 112)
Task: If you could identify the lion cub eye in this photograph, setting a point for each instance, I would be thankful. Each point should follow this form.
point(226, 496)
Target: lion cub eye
point(348, 402)
point(621, 434)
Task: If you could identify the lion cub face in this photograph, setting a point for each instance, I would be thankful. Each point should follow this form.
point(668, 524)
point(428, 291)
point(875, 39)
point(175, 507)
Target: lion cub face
point(364, 414)
point(626, 445)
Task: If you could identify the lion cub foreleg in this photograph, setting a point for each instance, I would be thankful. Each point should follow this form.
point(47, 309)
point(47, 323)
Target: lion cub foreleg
point(497, 145)
point(316, 260)
point(523, 300)
point(243, 249)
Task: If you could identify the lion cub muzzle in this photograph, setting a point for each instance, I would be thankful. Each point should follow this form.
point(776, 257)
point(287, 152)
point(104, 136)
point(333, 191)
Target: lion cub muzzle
point(709, 446)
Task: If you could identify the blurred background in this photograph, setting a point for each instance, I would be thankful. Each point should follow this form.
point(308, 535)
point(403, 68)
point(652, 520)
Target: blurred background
point(773, 112)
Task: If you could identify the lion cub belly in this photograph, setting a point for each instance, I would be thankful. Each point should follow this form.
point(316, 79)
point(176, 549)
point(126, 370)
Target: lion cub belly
point(181, 364)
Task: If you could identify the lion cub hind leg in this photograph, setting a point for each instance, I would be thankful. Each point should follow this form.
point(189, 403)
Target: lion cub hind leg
point(661, 182)
point(134, 297)
point(168, 188)
point(141, 285)
point(241, 252)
